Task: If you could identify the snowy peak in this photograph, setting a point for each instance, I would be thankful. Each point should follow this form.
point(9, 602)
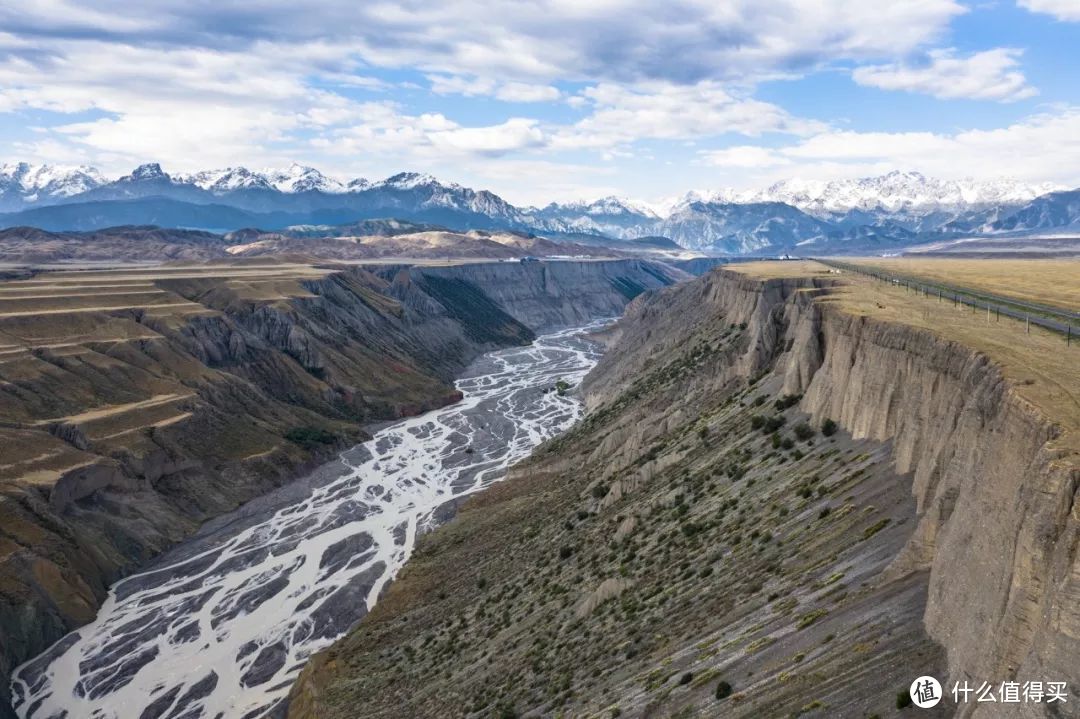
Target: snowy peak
point(228, 179)
point(146, 173)
point(897, 192)
point(301, 178)
point(413, 180)
point(604, 207)
point(34, 182)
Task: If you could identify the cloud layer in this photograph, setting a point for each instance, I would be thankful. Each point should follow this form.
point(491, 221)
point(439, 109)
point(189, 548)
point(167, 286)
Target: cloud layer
point(484, 90)
point(987, 75)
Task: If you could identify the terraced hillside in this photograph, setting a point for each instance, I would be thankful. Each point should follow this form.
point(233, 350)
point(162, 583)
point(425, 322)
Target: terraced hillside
point(779, 505)
point(136, 403)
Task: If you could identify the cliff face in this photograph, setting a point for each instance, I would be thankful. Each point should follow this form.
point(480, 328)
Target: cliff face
point(956, 556)
point(544, 295)
point(125, 427)
point(998, 518)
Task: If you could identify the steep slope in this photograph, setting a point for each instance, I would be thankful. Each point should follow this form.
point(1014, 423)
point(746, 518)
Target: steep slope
point(1058, 211)
point(741, 228)
point(137, 403)
point(695, 549)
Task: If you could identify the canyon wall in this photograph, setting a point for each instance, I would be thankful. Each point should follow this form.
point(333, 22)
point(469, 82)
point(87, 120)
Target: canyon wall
point(123, 429)
point(998, 521)
point(934, 532)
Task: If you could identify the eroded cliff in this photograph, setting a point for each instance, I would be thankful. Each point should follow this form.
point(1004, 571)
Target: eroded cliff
point(136, 404)
point(707, 541)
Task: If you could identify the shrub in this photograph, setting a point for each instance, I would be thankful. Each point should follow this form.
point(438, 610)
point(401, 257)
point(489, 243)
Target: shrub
point(804, 431)
point(565, 552)
point(787, 443)
point(828, 428)
point(776, 440)
point(686, 678)
point(788, 400)
point(723, 690)
point(903, 699)
point(309, 437)
point(600, 491)
point(774, 423)
point(757, 421)
point(823, 513)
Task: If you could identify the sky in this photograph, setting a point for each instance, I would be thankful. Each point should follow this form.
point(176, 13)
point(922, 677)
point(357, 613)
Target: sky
point(550, 100)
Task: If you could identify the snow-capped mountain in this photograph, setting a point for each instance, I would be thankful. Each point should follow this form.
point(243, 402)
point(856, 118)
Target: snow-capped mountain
point(897, 194)
point(300, 178)
point(612, 216)
point(292, 179)
point(741, 228)
point(896, 209)
point(228, 179)
point(22, 183)
point(1052, 213)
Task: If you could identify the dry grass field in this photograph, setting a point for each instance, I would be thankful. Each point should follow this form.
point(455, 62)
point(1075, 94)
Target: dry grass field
point(1043, 369)
point(1049, 282)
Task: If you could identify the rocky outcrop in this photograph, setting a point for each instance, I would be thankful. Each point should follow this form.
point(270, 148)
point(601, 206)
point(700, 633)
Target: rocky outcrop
point(119, 444)
point(999, 526)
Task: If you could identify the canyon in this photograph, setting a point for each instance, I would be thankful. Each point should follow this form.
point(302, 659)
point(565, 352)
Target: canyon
point(789, 497)
point(140, 402)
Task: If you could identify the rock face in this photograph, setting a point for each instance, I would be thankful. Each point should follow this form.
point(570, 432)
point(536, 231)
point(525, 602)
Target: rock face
point(999, 523)
point(124, 428)
point(935, 533)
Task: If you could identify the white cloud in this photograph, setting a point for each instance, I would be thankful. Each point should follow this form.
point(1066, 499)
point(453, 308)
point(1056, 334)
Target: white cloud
point(383, 130)
point(622, 115)
point(507, 91)
point(525, 92)
point(987, 75)
point(1043, 147)
point(682, 41)
point(745, 156)
point(1066, 10)
point(514, 134)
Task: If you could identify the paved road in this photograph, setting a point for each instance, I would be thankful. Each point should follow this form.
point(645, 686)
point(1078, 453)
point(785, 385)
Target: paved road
point(1051, 318)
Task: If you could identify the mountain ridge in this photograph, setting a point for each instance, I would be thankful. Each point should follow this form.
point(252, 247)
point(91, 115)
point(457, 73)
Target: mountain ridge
point(896, 209)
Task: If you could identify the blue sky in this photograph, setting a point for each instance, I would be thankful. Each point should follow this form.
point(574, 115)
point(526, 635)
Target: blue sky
point(545, 100)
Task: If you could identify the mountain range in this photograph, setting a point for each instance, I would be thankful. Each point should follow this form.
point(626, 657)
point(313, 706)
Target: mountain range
point(875, 213)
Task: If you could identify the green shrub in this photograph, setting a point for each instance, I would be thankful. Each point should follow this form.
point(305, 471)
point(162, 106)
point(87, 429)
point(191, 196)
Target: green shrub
point(773, 423)
point(309, 437)
point(828, 428)
point(804, 431)
point(686, 678)
point(723, 690)
point(788, 400)
point(787, 443)
point(903, 699)
point(757, 421)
